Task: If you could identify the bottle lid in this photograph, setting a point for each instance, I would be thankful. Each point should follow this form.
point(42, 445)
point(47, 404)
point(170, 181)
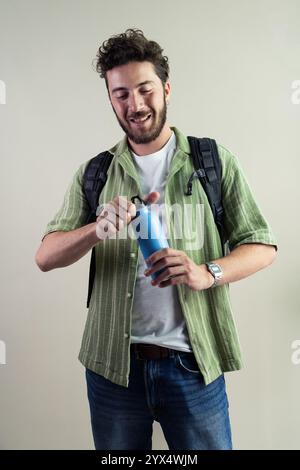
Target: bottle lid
point(140, 203)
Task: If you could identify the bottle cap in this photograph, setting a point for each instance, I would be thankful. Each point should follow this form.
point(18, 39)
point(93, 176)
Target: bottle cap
point(139, 205)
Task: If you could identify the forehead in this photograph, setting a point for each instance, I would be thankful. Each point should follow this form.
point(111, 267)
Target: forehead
point(131, 75)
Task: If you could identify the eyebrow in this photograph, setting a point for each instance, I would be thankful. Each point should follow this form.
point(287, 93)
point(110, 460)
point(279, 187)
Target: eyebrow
point(122, 88)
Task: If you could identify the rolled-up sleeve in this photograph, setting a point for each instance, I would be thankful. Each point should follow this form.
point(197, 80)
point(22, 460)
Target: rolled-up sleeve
point(243, 218)
point(74, 210)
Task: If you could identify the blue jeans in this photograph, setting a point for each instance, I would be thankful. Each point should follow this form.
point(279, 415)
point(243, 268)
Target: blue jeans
point(171, 391)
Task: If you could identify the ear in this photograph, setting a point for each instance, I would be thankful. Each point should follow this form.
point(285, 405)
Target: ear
point(167, 90)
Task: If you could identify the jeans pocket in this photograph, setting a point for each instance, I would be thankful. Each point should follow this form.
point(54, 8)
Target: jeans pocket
point(188, 362)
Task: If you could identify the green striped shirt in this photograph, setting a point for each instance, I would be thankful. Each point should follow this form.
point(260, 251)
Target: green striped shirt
point(105, 347)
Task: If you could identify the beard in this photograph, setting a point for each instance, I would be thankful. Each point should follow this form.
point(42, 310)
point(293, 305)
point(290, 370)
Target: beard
point(145, 136)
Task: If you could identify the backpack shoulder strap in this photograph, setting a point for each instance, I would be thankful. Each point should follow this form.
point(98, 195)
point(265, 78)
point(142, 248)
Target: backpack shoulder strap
point(93, 182)
point(207, 163)
point(94, 179)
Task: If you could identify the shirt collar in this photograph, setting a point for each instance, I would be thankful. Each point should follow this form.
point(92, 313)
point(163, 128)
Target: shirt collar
point(122, 155)
point(182, 144)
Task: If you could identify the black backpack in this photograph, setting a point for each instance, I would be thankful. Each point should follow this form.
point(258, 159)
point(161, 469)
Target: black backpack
point(208, 170)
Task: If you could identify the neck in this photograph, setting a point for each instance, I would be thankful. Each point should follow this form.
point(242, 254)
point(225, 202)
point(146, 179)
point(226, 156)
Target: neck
point(155, 145)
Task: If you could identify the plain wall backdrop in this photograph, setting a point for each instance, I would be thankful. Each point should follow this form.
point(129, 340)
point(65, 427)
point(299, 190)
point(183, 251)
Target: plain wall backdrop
point(233, 66)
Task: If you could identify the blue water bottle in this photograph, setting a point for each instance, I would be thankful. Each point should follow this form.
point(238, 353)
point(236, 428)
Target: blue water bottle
point(148, 230)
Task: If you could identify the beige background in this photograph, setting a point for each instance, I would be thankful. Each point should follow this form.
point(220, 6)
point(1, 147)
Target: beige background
point(233, 64)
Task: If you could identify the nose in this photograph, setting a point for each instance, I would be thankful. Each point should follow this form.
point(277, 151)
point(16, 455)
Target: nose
point(135, 103)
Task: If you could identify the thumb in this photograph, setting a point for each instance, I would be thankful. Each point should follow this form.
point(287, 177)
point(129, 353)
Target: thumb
point(152, 197)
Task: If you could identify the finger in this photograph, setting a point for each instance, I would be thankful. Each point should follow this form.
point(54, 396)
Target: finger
point(125, 209)
point(113, 213)
point(114, 219)
point(169, 261)
point(118, 212)
point(105, 229)
point(108, 212)
point(131, 209)
point(167, 274)
point(120, 201)
point(163, 253)
point(173, 281)
point(105, 209)
point(152, 197)
point(123, 203)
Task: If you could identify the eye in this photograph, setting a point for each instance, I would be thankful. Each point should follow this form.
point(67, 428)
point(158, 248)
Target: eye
point(122, 97)
point(145, 91)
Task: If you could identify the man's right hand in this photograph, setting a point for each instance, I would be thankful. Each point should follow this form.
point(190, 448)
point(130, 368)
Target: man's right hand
point(114, 216)
point(117, 213)
point(59, 248)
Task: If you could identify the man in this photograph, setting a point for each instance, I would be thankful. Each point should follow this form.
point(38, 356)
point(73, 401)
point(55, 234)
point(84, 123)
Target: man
point(157, 349)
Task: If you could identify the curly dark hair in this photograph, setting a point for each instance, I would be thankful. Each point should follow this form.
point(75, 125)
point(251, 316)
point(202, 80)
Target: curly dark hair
point(131, 46)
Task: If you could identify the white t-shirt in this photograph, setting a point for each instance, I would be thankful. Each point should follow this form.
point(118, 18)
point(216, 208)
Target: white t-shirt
point(157, 315)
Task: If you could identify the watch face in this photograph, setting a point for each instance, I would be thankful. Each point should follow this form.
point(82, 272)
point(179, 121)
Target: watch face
point(215, 269)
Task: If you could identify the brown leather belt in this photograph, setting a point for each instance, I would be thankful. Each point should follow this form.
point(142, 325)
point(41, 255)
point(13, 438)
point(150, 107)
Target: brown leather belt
point(151, 351)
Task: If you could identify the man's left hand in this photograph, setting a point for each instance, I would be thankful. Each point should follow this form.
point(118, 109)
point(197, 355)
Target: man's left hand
point(178, 269)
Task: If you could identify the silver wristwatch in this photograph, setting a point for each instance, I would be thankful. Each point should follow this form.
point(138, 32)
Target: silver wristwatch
point(216, 271)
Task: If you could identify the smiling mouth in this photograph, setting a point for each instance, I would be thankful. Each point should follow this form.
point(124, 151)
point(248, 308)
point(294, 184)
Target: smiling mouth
point(139, 121)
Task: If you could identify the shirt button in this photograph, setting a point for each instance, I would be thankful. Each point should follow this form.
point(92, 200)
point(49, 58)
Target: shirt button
point(129, 295)
point(126, 335)
point(132, 255)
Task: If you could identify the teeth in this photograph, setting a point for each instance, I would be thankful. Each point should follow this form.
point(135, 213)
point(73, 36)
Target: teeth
point(141, 119)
